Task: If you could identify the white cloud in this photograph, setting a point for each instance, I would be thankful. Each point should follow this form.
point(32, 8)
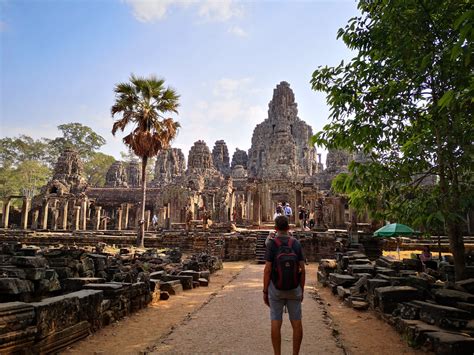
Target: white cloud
point(237, 31)
point(219, 10)
point(227, 87)
point(207, 10)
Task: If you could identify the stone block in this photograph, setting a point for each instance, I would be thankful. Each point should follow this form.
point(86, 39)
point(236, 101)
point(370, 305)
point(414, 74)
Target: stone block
point(186, 281)
point(390, 296)
point(90, 303)
point(373, 284)
point(359, 305)
point(164, 295)
point(342, 292)
point(15, 316)
point(195, 274)
point(62, 338)
point(78, 283)
point(29, 261)
point(469, 307)
point(12, 271)
point(414, 331)
point(443, 343)
point(110, 289)
point(17, 342)
point(342, 280)
point(172, 287)
point(157, 275)
point(412, 264)
point(203, 282)
point(35, 274)
point(64, 272)
point(451, 297)
point(56, 313)
point(467, 285)
point(361, 269)
point(14, 286)
point(442, 316)
point(206, 274)
point(379, 270)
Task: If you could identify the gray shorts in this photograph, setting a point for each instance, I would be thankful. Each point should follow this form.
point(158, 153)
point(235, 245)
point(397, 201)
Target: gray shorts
point(278, 299)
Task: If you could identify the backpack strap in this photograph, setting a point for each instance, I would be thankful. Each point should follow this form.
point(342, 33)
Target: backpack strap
point(290, 242)
point(277, 241)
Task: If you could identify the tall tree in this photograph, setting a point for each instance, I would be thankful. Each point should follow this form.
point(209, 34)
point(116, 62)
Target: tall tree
point(405, 100)
point(142, 103)
point(81, 138)
point(96, 168)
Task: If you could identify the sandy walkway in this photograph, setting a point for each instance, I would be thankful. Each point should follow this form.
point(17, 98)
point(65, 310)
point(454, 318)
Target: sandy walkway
point(236, 321)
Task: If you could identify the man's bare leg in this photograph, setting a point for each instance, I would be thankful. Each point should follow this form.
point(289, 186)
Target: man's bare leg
point(276, 336)
point(297, 326)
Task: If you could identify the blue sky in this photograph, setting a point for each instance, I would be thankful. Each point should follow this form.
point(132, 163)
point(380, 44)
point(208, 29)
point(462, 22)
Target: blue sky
point(60, 61)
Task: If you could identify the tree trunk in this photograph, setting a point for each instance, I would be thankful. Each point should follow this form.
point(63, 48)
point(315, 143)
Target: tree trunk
point(141, 230)
point(456, 243)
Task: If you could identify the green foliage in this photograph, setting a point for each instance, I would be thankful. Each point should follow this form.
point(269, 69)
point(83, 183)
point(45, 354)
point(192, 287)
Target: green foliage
point(25, 179)
point(96, 168)
point(406, 101)
point(13, 151)
point(79, 137)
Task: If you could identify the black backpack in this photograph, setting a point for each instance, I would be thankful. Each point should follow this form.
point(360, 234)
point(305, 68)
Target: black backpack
point(285, 275)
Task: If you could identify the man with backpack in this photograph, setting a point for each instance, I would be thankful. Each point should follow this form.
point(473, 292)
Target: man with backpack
point(283, 283)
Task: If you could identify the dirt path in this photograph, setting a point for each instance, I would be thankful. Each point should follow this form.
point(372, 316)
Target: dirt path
point(229, 317)
point(237, 322)
point(143, 329)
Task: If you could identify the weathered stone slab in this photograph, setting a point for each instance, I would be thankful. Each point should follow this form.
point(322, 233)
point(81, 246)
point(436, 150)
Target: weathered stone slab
point(205, 275)
point(157, 275)
point(56, 313)
point(467, 285)
point(194, 274)
point(164, 295)
point(342, 292)
point(18, 340)
point(451, 297)
point(186, 281)
point(442, 316)
point(469, 307)
point(15, 316)
point(203, 282)
point(29, 261)
point(372, 284)
point(390, 296)
point(90, 302)
point(361, 269)
point(14, 286)
point(35, 274)
point(12, 271)
point(342, 280)
point(414, 331)
point(172, 287)
point(62, 338)
point(449, 343)
point(77, 283)
point(385, 271)
point(110, 289)
point(359, 305)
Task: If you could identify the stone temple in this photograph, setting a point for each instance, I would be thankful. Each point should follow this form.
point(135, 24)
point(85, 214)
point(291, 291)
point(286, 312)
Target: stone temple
point(280, 167)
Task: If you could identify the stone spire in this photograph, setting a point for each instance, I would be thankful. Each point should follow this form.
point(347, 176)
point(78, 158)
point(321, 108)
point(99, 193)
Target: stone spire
point(200, 158)
point(240, 157)
point(116, 175)
point(280, 144)
point(134, 174)
point(170, 164)
point(220, 157)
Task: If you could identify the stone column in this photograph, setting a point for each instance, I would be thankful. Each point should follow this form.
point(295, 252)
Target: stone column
point(137, 215)
point(119, 219)
point(64, 216)
point(104, 223)
point(77, 217)
point(25, 210)
point(6, 212)
point(147, 219)
point(44, 214)
point(125, 213)
point(98, 212)
point(84, 208)
point(55, 218)
point(35, 217)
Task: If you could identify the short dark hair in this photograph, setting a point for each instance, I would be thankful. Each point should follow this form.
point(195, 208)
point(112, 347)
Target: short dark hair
point(282, 223)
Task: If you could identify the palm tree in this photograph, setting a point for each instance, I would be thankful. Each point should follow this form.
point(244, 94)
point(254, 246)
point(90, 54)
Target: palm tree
point(142, 103)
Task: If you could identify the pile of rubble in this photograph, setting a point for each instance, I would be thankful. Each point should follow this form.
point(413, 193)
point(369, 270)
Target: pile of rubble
point(53, 297)
point(428, 310)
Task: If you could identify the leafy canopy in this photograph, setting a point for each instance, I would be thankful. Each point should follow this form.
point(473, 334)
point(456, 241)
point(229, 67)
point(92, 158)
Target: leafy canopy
point(406, 101)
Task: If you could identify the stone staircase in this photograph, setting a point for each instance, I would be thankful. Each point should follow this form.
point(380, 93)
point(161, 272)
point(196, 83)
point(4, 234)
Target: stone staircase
point(260, 248)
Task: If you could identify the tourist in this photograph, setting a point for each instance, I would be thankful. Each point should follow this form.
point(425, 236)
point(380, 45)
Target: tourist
point(154, 221)
point(278, 211)
point(287, 211)
point(302, 216)
point(427, 258)
point(311, 219)
point(276, 298)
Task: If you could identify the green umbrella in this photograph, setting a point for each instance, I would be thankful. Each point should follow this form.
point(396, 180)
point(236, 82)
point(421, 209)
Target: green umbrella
point(393, 230)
